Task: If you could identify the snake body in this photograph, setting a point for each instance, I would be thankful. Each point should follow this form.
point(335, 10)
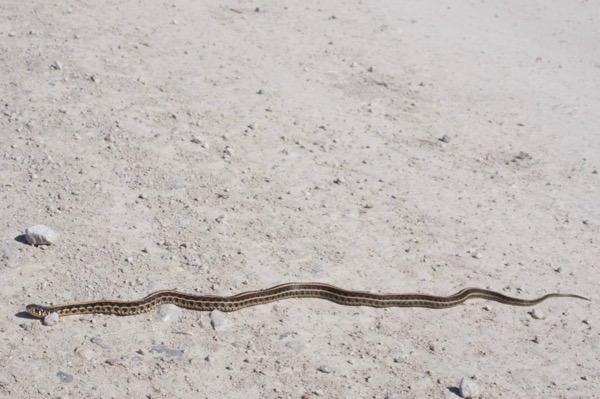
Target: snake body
point(279, 292)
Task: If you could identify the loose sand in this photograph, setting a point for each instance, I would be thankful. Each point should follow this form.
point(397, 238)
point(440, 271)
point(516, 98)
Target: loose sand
point(223, 147)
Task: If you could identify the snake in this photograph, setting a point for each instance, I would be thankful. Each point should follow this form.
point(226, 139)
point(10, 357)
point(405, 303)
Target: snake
point(277, 293)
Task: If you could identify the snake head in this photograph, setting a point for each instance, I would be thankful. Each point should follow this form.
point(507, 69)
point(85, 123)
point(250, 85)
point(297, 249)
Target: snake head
point(38, 311)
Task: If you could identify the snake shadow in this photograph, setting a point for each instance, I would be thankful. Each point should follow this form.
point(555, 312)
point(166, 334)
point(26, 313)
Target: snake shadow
point(24, 315)
point(21, 238)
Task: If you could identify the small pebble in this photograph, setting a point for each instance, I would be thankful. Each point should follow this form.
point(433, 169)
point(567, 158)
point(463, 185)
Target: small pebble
point(200, 140)
point(40, 235)
point(165, 350)
point(523, 156)
point(185, 332)
point(325, 369)
point(6, 379)
point(51, 319)
point(219, 321)
point(537, 314)
point(86, 354)
point(477, 255)
point(468, 388)
point(6, 251)
point(98, 341)
point(445, 138)
point(64, 377)
point(168, 313)
point(220, 219)
point(57, 65)
point(297, 345)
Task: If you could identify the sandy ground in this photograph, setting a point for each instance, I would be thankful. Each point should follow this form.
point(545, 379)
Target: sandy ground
point(223, 147)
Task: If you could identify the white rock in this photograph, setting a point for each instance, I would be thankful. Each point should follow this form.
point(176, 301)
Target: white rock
point(51, 319)
point(40, 235)
point(57, 65)
point(445, 138)
point(325, 369)
point(6, 251)
point(468, 388)
point(537, 314)
point(200, 140)
point(219, 320)
point(85, 354)
point(168, 313)
point(400, 359)
point(297, 345)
